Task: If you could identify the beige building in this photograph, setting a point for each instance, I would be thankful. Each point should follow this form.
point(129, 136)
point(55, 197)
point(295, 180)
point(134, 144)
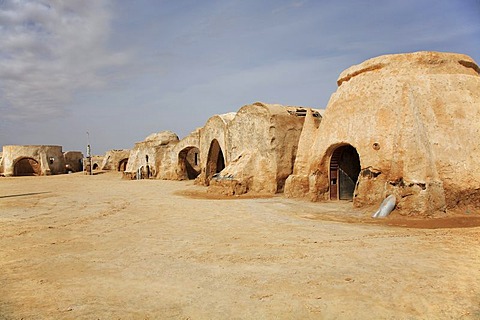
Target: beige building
point(97, 162)
point(145, 159)
point(73, 161)
point(259, 147)
point(213, 146)
point(115, 160)
point(406, 125)
point(182, 160)
point(32, 160)
point(252, 150)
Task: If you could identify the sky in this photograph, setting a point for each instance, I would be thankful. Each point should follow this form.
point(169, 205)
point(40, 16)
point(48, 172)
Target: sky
point(121, 70)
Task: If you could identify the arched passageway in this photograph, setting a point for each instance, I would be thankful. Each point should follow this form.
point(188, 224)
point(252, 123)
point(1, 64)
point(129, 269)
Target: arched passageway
point(95, 166)
point(122, 165)
point(189, 163)
point(344, 171)
point(27, 167)
point(148, 172)
point(215, 160)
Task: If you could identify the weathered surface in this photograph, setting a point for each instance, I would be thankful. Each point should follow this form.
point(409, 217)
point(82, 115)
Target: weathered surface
point(115, 160)
point(146, 156)
point(182, 161)
point(299, 178)
point(97, 161)
point(93, 247)
point(414, 120)
point(252, 150)
point(213, 146)
point(261, 145)
point(32, 160)
point(73, 161)
point(1, 163)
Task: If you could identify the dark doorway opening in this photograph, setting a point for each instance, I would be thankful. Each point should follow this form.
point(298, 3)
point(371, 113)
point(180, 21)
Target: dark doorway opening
point(215, 160)
point(149, 172)
point(122, 165)
point(344, 171)
point(95, 166)
point(188, 163)
point(27, 167)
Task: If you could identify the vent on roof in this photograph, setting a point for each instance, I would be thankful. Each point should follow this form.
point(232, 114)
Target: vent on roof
point(300, 112)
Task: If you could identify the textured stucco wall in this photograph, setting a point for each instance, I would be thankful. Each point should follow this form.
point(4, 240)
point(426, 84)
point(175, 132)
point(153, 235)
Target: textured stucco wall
point(50, 158)
point(414, 120)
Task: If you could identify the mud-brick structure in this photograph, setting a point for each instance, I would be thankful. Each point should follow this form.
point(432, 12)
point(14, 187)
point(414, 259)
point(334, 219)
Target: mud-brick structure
point(406, 125)
point(115, 160)
point(145, 159)
point(252, 150)
point(260, 145)
point(73, 161)
point(93, 163)
point(213, 146)
point(182, 160)
point(32, 160)
point(97, 161)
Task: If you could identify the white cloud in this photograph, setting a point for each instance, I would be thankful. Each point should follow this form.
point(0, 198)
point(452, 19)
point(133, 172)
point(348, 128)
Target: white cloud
point(50, 49)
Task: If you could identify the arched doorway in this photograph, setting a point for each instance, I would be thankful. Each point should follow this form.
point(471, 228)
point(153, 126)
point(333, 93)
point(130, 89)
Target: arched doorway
point(189, 163)
point(148, 172)
point(122, 165)
point(344, 171)
point(95, 166)
point(215, 160)
point(27, 167)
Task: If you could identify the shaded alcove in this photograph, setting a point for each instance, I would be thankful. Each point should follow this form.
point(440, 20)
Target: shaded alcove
point(148, 172)
point(122, 165)
point(215, 160)
point(27, 167)
point(189, 163)
point(144, 172)
point(344, 171)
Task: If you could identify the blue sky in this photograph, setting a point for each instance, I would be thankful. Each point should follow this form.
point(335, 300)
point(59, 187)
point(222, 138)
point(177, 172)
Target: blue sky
point(124, 69)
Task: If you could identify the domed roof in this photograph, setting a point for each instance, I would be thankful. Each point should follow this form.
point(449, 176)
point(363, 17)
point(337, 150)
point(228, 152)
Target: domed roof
point(423, 62)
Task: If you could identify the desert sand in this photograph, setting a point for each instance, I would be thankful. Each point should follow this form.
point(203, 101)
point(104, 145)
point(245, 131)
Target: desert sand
point(98, 247)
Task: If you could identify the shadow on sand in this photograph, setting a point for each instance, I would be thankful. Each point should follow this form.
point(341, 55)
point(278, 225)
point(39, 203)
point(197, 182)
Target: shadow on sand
point(23, 194)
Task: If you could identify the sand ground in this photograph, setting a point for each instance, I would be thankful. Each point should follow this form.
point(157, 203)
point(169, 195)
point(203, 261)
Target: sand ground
point(98, 247)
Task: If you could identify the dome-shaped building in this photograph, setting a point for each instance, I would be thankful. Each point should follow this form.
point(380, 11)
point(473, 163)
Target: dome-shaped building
point(144, 160)
point(403, 124)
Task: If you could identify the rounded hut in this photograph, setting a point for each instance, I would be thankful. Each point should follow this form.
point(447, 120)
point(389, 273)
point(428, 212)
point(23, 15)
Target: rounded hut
point(403, 124)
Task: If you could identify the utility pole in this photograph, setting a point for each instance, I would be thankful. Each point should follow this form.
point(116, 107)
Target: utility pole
point(89, 155)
